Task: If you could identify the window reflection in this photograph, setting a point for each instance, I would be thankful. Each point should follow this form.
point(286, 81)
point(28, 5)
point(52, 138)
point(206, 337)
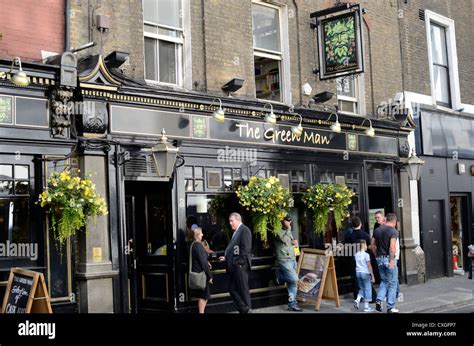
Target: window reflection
point(14, 218)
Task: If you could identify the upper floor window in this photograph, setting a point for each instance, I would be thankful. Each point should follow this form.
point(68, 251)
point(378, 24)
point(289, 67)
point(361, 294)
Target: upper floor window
point(442, 57)
point(163, 29)
point(269, 52)
point(439, 56)
point(350, 95)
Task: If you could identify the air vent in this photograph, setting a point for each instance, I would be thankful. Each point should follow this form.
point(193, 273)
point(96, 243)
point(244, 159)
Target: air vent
point(421, 14)
point(140, 166)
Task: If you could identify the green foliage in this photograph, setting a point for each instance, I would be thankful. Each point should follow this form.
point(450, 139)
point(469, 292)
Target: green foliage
point(70, 201)
point(268, 200)
point(339, 41)
point(322, 198)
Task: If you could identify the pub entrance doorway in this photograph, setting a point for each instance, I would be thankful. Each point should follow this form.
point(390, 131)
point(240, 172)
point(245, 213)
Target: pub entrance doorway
point(149, 249)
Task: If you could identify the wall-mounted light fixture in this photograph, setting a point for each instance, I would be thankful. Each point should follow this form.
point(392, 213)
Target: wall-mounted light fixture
point(323, 97)
point(336, 127)
point(19, 78)
point(370, 131)
point(233, 85)
point(270, 118)
point(298, 130)
point(219, 114)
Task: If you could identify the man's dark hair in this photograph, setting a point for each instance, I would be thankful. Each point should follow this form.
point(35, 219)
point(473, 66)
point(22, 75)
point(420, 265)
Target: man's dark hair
point(391, 217)
point(355, 221)
point(379, 212)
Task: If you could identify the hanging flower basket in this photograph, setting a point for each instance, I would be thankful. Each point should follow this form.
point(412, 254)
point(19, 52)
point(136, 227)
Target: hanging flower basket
point(70, 201)
point(324, 198)
point(268, 201)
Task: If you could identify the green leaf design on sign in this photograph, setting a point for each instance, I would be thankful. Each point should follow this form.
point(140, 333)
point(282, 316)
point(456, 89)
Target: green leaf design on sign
point(5, 109)
point(199, 127)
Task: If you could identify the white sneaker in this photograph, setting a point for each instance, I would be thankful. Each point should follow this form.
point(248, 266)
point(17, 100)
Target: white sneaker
point(356, 304)
point(392, 311)
point(368, 309)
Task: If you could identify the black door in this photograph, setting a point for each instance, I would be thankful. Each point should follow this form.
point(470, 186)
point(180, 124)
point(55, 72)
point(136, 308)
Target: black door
point(150, 246)
point(434, 240)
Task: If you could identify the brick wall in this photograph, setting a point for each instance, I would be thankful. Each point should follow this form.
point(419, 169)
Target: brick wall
point(27, 28)
point(125, 33)
point(221, 37)
point(415, 44)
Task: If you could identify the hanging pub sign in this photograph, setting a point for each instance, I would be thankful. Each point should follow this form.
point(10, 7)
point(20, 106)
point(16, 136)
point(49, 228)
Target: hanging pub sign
point(340, 41)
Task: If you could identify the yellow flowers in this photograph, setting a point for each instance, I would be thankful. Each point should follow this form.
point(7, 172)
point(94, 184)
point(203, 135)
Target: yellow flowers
point(323, 199)
point(267, 199)
point(70, 201)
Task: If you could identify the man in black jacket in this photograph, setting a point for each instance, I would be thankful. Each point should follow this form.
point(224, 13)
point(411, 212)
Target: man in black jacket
point(237, 256)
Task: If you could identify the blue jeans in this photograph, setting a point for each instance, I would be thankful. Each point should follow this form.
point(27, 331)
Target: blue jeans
point(287, 273)
point(389, 280)
point(365, 287)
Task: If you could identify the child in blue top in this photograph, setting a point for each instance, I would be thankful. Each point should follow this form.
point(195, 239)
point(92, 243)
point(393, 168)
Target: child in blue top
point(364, 275)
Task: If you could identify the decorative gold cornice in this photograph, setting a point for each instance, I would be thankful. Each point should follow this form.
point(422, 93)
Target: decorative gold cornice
point(185, 106)
point(100, 66)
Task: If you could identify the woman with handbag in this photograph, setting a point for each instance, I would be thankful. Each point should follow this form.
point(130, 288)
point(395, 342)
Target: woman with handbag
point(198, 265)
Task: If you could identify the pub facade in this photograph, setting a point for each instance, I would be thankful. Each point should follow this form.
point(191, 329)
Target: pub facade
point(172, 73)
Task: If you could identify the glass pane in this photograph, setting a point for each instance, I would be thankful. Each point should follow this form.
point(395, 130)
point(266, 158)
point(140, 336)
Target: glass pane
point(164, 12)
point(21, 229)
point(170, 13)
point(237, 174)
point(6, 172)
point(21, 172)
point(199, 185)
point(438, 45)
point(441, 80)
point(167, 62)
point(228, 185)
point(170, 33)
point(347, 106)
point(157, 225)
point(6, 187)
point(188, 172)
point(346, 87)
point(150, 10)
point(227, 174)
point(22, 187)
point(150, 59)
point(198, 172)
point(267, 78)
point(14, 218)
point(266, 27)
point(188, 185)
point(150, 28)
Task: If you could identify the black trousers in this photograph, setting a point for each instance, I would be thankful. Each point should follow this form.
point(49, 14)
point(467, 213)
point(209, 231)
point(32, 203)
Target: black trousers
point(239, 288)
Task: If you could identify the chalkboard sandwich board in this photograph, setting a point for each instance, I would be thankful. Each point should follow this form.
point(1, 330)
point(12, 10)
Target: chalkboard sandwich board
point(316, 277)
point(26, 293)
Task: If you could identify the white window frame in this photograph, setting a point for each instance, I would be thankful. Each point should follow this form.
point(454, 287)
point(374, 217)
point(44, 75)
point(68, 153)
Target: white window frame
point(184, 54)
point(359, 99)
point(283, 56)
point(454, 89)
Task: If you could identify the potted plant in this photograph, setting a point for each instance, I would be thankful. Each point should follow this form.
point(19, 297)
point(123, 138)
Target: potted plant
point(324, 198)
point(70, 201)
point(268, 200)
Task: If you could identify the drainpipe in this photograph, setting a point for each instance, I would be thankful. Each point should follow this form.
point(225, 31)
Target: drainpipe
point(300, 92)
point(67, 25)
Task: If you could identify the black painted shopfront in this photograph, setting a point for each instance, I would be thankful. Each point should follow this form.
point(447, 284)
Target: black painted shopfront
point(218, 157)
point(28, 154)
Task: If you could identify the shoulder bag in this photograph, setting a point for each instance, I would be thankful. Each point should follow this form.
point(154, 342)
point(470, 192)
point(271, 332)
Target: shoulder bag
point(197, 281)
